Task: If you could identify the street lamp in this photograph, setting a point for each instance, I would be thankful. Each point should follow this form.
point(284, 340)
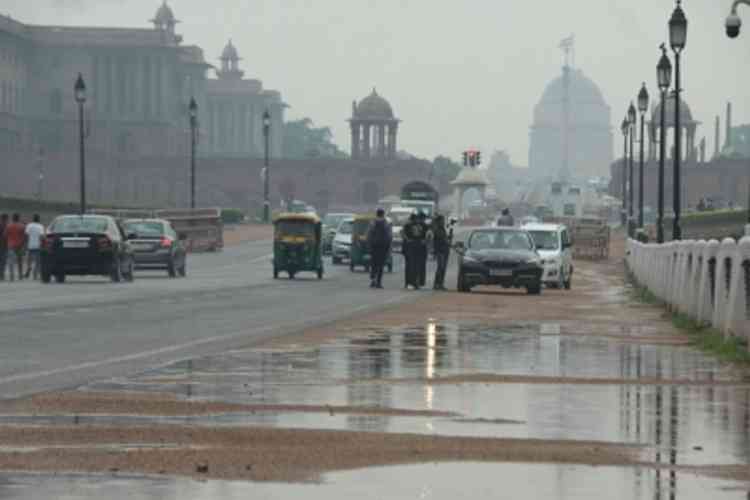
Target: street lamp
point(734, 23)
point(642, 108)
point(79, 91)
point(631, 124)
point(624, 127)
point(664, 78)
point(267, 175)
point(677, 38)
point(193, 112)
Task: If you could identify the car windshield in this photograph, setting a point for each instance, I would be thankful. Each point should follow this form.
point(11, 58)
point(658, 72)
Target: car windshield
point(144, 229)
point(545, 240)
point(80, 225)
point(345, 227)
point(399, 218)
point(500, 240)
point(333, 220)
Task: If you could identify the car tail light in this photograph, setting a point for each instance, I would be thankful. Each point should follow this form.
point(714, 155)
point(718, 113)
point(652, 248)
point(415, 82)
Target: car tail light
point(103, 243)
point(166, 242)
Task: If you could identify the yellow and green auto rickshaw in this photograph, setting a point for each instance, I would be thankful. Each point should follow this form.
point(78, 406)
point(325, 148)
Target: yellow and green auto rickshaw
point(359, 255)
point(297, 244)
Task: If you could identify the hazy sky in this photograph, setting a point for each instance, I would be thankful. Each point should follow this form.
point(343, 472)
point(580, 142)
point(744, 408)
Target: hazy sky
point(459, 73)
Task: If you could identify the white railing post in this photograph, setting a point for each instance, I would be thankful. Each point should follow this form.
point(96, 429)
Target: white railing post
point(737, 318)
point(723, 266)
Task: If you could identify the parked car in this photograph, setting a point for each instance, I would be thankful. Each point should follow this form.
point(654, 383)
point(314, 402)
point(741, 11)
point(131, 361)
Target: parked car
point(498, 256)
point(330, 225)
point(86, 245)
point(342, 241)
point(156, 245)
point(554, 246)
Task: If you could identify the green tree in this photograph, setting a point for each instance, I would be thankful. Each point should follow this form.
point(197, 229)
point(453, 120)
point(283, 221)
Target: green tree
point(303, 140)
point(445, 168)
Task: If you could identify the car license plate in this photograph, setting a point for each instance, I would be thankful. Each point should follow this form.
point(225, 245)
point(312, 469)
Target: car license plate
point(141, 246)
point(501, 273)
point(75, 244)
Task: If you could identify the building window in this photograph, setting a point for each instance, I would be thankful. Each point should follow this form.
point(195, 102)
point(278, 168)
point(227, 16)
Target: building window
point(55, 102)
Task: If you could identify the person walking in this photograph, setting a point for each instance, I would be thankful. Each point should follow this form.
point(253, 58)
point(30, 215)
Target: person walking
point(421, 250)
point(3, 245)
point(506, 219)
point(442, 238)
point(16, 234)
point(411, 233)
point(34, 235)
point(379, 239)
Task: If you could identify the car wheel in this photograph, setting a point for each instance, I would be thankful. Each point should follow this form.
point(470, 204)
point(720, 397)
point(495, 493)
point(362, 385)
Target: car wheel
point(60, 277)
point(115, 273)
point(569, 282)
point(291, 275)
point(534, 290)
point(461, 285)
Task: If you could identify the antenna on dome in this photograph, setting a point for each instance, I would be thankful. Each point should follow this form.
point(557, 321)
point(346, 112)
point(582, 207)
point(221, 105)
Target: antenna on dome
point(568, 46)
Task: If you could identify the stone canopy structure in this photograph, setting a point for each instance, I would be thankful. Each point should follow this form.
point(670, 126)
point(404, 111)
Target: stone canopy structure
point(573, 121)
point(374, 128)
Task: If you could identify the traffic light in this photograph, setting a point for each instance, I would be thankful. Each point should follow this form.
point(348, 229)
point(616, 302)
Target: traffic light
point(478, 158)
point(466, 158)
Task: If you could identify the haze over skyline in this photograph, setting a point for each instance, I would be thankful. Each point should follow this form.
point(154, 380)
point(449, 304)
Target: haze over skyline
point(459, 74)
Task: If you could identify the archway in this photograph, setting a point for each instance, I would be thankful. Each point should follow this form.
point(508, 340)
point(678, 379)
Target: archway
point(421, 191)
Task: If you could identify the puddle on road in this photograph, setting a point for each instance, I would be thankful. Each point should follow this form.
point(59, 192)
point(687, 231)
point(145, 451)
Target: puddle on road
point(448, 481)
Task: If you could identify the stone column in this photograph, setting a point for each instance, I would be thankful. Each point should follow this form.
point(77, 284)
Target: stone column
point(392, 133)
point(355, 139)
point(366, 145)
point(381, 140)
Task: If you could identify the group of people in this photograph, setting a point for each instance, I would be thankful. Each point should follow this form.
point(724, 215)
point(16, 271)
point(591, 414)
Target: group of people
point(19, 241)
point(416, 234)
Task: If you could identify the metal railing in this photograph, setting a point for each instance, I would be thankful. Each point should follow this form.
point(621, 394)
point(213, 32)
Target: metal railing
point(709, 281)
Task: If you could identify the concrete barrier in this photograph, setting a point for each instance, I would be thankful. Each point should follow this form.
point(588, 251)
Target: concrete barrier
point(707, 280)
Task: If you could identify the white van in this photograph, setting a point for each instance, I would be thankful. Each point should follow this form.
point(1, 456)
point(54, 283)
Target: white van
point(554, 246)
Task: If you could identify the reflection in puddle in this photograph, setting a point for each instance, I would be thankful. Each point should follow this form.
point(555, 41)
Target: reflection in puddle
point(433, 481)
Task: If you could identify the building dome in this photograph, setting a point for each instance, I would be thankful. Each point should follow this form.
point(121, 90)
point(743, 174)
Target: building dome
point(686, 116)
point(585, 95)
point(230, 52)
point(164, 15)
point(373, 107)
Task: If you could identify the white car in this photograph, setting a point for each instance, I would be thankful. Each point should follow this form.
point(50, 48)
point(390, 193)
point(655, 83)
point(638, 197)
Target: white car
point(398, 216)
point(554, 246)
point(342, 241)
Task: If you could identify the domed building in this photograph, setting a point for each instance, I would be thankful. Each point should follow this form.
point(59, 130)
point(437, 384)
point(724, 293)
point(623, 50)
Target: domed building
point(580, 150)
point(688, 125)
point(374, 128)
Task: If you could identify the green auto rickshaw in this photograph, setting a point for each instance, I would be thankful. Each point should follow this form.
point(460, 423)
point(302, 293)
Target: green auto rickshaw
point(297, 244)
point(359, 255)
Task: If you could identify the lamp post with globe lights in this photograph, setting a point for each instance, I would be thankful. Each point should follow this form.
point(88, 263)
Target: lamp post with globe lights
point(733, 22)
point(678, 25)
point(642, 108)
point(664, 79)
point(624, 127)
point(79, 91)
point(632, 120)
point(193, 112)
point(266, 171)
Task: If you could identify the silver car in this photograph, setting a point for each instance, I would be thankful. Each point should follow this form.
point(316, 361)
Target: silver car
point(156, 245)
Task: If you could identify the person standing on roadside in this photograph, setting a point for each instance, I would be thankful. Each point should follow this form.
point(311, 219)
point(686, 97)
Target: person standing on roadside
point(16, 234)
point(3, 245)
point(410, 234)
point(379, 238)
point(506, 219)
point(421, 250)
point(34, 235)
point(441, 240)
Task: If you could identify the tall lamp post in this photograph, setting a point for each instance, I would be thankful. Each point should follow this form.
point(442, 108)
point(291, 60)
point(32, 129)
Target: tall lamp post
point(80, 96)
point(642, 108)
point(631, 123)
point(677, 38)
point(266, 177)
point(664, 78)
point(734, 23)
point(193, 112)
point(624, 127)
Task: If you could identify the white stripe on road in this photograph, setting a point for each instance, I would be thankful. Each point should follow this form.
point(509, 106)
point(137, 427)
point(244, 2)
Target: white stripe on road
point(175, 348)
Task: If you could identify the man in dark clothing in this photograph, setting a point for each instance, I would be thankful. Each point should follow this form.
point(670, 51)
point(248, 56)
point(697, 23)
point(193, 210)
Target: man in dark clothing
point(421, 250)
point(441, 240)
point(506, 219)
point(3, 245)
point(413, 233)
point(379, 238)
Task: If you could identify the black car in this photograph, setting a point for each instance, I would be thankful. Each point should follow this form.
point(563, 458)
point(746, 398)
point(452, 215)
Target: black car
point(499, 256)
point(156, 245)
point(86, 245)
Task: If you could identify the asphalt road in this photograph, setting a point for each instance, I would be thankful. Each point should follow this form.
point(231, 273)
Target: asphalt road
point(57, 336)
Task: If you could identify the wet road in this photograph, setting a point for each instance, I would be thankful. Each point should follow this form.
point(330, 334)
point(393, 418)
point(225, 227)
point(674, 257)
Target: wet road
point(55, 336)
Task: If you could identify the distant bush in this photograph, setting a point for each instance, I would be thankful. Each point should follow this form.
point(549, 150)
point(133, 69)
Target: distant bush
point(232, 215)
